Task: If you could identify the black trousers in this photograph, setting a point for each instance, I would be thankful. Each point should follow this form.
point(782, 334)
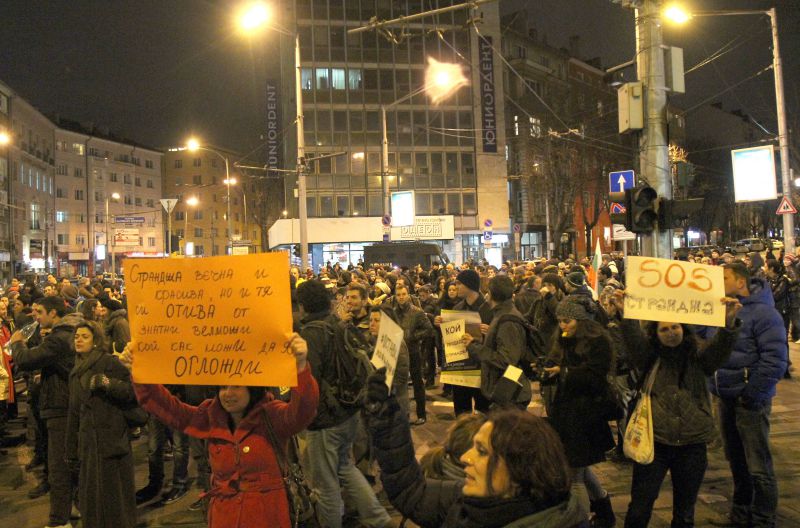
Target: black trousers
point(59, 475)
point(463, 398)
point(415, 370)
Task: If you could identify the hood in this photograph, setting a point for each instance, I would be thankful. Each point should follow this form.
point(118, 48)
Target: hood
point(760, 293)
point(70, 321)
point(116, 314)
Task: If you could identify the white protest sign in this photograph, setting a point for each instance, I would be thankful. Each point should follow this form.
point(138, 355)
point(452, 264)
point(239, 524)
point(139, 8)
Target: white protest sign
point(674, 291)
point(387, 348)
point(472, 321)
point(454, 348)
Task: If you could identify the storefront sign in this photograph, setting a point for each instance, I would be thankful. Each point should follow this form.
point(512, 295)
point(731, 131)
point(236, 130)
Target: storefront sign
point(426, 228)
point(201, 321)
point(36, 249)
point(674, 291)
point(273, 125)
point(488, 115)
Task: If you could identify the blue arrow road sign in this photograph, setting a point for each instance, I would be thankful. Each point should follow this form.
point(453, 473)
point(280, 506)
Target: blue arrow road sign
point(619, 181)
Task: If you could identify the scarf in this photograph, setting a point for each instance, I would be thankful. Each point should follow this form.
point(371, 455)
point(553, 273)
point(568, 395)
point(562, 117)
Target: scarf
point(494, 512)
point(83, 364)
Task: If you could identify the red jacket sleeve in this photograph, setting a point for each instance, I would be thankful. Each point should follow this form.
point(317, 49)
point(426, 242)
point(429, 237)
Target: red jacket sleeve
point(291, 418)
point(172, 412)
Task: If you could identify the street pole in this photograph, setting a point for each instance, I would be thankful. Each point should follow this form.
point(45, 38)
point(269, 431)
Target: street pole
point(108, 240)
point(169, 233)
point(653, 143)
point(384, 162)
point(783, 133)
point(301, 157)
point(228, 186)
point(185, 229)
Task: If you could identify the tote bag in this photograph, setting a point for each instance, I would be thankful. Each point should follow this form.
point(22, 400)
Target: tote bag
point(638, 443)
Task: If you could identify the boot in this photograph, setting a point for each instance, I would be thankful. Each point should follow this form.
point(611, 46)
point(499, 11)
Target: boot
point(603, 513)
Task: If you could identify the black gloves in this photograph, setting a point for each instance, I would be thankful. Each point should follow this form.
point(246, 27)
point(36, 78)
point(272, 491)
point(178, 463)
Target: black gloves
point(98, 382)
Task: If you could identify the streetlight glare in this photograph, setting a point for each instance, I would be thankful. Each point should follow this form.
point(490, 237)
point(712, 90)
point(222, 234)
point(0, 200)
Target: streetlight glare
point(253, 16)
point(115, 196)
point(5, 138)
point(192, 201)
point(192, 144)
point(229, 181)
point(442, 79)
point(677, 14)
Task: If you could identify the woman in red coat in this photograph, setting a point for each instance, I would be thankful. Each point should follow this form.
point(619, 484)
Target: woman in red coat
point(247, 488)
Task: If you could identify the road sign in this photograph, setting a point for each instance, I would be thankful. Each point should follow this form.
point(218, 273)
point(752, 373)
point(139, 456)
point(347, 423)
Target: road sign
point(786, 207)
point(487, 223)
point(386, 220)
point(517, 228)
point(487, 236)
point(620, 233)
point(129, 220)
point(168, 204)
point(619, 181)
point(126, 237)
point(617, 208)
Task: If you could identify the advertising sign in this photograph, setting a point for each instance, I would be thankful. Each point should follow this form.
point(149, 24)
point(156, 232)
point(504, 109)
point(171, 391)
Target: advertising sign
point(486, 73)
point(403, 209)
point(754, 174)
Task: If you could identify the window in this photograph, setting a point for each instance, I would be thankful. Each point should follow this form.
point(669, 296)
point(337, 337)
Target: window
point(536, 126)
point(61, 170)
point(180, 215)
point(126, 178)
point(137, 201)
point(112, 177)
point(78, 148)
point(149, 184)
point(151, 241)
point(136, 161)
point(60, 193)
point(80, 240)
point(148, 164)
point(197, 179)
point(323, 78)
point(178, 164)
point(354, 79)
point(198, 232)
point(98, 218)
point(197, 162)
point(178, 180)
point(150, 202)
point(61, 217)
point(520, 52)
point(198, 214)
point(62, 239)
point(127, 200)
point(307, 79)
point(78, 172)
point(35, 213)
point(214, 162)
point(78, 194)
point(137, 181)
point(98, 196)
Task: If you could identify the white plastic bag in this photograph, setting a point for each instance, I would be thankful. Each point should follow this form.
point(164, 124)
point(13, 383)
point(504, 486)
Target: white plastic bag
point(639, 444)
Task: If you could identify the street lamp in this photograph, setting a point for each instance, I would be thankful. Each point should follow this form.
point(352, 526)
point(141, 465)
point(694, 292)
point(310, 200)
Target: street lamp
point(680, 16)
point(192, 146)
point(251, 19)
point(191, 201)
point(441, 80)
point(5, 138)
point(109, 241)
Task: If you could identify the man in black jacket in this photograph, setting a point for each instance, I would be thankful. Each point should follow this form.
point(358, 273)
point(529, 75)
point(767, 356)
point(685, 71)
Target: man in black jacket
point(330, 436)
point(55, 357)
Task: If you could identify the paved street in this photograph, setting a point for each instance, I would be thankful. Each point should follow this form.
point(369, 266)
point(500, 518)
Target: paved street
point(17, 511)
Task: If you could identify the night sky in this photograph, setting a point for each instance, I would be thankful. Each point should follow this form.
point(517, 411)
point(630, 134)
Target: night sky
point(157, 71)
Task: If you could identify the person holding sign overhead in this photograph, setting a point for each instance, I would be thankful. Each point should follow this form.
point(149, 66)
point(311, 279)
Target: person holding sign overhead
point(247, 485)
point(682, 420)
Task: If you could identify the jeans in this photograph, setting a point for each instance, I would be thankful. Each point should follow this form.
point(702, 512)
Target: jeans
point(332, 473)
point(59, 475)
point(745, 434)
point(156, 440)
point(593, 487)
point(415, 369)
point(687, 466)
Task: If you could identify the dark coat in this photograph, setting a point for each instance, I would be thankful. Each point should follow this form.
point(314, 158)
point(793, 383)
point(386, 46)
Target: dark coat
point(440, 503)
point(681, 405)
point(415, 324)
point(97, 436)
point(542, 316)
point(247, 489)
point(504, 345)
point(585, 364)
point(55, 357)
point(118, 330)
point(760, 352)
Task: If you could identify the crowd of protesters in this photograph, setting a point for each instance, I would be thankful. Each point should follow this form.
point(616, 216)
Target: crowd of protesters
point(500, 465)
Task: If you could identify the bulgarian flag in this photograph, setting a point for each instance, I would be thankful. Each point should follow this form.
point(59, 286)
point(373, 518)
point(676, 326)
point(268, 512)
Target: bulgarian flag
point(594, 274)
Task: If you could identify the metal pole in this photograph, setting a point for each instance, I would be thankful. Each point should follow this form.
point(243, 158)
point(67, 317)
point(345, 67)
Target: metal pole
point(169, 233)
point(108, 240)
point(783, 133)
point(113, 253)
point(246, 226)
point(301, 157)
point(547, 250)
point(228, 186)
point(185, 227)
point(653, 144)
point(384, 161)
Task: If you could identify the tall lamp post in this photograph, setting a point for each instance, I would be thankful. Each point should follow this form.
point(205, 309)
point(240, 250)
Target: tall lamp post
point(680, 16)
point(251, 19)
point(192, 145)
point(109, 241)
point(441, 80)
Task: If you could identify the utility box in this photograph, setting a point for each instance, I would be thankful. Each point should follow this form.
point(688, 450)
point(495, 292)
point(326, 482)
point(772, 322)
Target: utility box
point(630, 98)
point(673, 70)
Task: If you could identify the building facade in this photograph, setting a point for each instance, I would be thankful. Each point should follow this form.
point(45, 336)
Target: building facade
point(203, 223)
point(5, 209)
point(93, 228)
point(451, 154)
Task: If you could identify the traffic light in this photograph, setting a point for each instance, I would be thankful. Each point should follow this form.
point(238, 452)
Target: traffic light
point(672, 212)
point(296, 250)
point(643, 209)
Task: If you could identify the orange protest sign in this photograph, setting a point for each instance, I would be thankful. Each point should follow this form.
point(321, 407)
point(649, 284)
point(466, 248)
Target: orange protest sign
point(674, 291)
point(211, 321)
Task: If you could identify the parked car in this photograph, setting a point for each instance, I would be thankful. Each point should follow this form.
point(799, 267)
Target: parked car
point(750, 244)
point(776, 243)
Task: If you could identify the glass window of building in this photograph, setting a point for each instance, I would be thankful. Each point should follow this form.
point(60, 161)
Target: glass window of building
point(469, 204)
point(311, 206)
point(437, 204)
point(467, 170)
point(359, 205)
point(342, 206)
point(341, 162)
point(306, 76)
point(358, 162)
point(323, 78)
point(375, 203)
point(355, 79)
point(356, 120)
point(325, 181)
point(451, 175)
point(337, 79)
point(326, 206)
point(422, 204)
point(454, 203)
point(340, 121)
point(370, 79)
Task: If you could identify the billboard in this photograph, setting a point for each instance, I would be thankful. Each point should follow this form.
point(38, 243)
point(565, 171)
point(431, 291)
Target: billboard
point(754, 174)
point(403, 210)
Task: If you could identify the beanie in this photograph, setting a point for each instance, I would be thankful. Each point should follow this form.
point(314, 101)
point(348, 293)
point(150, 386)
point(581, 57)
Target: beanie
point(572, 307)
point(575, 279)
point(470, 279)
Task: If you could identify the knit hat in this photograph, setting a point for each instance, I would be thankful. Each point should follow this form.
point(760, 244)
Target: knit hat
point(470, 279)
point(573, 307)
point(576, 279)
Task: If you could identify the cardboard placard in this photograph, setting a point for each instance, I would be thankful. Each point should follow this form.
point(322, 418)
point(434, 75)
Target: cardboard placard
point(472, 321)
point(454, 348)
point(211, 321)
point(674, 291)
point(387, 348)
point(464, 378)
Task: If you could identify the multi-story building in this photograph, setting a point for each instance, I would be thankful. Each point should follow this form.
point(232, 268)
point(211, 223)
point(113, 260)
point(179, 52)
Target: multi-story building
point(31, 170)
point(198, 180)
point(451, 154)
point(563, 141)
point(5, 210)
point(94, 227)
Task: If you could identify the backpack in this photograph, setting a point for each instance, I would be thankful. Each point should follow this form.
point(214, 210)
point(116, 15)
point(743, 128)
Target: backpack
point(535, 345)
point(347, 373)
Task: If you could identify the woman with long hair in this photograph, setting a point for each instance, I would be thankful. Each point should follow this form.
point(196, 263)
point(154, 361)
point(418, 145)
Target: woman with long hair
point(450, 297)
point(97, 432)
point(581, 358)
point(247, 488)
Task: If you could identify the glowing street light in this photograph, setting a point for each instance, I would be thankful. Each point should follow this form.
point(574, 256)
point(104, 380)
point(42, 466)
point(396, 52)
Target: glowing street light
point(253, 17)
point(677, 14)
point(5, 138)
